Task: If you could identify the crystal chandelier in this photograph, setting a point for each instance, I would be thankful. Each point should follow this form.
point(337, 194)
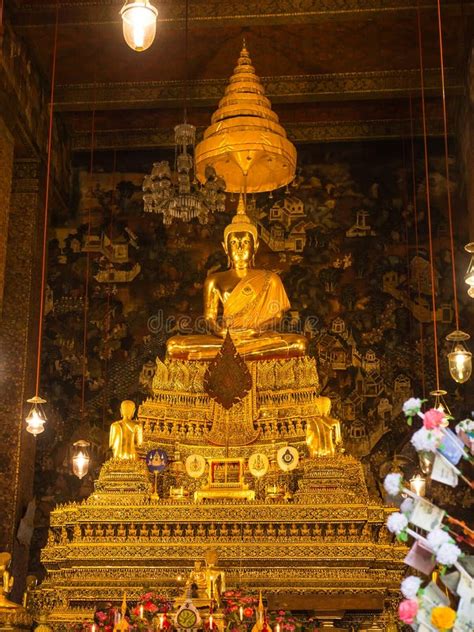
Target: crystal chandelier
point(178, 194)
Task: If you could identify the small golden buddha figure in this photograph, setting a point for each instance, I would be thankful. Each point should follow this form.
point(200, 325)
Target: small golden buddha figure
point(197, 583)
point(215, 576)
point(109, 531)
point(189, 531)
point(201, 532)
point(155, 532)
point(166, 531)
point(132, 531)
point(294, 531)
point(212, 531)
point(305, 531)
point(259, 532)
point(88, 531)
point(323, 433)
point(7, 582)
point(253, 302)
point(125, 434)
point(121, 531)
point(235, 531)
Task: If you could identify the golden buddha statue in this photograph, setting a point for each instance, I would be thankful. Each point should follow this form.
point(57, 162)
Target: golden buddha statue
point(323, 433)
point(197, 582)
point(7, 582)
point(126, 433)
point(252, 301)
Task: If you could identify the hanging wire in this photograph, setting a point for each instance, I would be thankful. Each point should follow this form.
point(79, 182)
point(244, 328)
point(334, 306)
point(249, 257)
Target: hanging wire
point(428, 200)
point(417, 245)
point(186, 70)
point(86, 281)
point(446, 159)
point(46, 205)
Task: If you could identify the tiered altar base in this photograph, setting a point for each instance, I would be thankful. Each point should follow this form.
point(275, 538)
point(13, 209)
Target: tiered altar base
point(328, 547)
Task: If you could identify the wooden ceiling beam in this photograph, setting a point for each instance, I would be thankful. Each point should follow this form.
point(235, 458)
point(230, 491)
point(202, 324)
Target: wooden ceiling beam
point(285, 89)
point(299, 133)
point(34, 14)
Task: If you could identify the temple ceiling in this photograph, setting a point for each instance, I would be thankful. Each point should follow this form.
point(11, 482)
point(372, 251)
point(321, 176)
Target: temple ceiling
point(333, 70)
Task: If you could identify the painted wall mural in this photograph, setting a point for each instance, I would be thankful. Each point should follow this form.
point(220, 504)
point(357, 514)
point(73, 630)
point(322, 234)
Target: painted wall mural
point(344, 240)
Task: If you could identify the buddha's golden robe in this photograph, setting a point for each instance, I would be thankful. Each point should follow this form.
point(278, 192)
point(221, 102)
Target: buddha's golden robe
point(250, 312)
point(256, 302)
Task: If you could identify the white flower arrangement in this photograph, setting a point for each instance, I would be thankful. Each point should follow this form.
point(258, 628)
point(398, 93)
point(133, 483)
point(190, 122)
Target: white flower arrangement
point(426, 440)
point(448, 554)
point(397, 522)
point(393, 484)
point(412, 406)
point(410, 587)
point(437, 538)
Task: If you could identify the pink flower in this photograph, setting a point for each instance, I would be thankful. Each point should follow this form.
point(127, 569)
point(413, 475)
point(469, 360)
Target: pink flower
point(100, 616)
point(248, 612)
point(433, 419)
point(407, 610)
point(234, 608)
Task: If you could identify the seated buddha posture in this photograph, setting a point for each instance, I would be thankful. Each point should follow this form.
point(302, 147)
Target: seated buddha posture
point(252, 302)
point(323, 433)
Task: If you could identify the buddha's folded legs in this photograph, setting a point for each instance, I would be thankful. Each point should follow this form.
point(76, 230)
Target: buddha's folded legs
point(255, 347)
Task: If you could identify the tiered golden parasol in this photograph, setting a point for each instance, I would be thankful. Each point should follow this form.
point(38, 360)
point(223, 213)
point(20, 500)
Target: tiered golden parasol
point(245, 143)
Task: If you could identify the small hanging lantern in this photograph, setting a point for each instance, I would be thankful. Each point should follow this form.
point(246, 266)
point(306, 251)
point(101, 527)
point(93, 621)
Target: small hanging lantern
point(459, 358)
point(36, 418)
point(139, 23)
point(469, 276)
point(418, 485)
point(80, 458)
point(439, 401)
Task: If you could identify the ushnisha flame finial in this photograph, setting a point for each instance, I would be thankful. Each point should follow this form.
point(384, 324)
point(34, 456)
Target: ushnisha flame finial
point(245, 142)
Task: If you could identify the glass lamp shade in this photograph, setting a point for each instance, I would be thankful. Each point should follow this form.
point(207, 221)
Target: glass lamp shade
point(139, 24)
point(36, 417)
point(80, 458)
point(418, 485)
point(469, 276)
point(460, 364)
point(460, 358)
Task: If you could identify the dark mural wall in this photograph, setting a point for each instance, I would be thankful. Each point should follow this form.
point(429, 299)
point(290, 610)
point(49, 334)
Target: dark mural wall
point(344, 240)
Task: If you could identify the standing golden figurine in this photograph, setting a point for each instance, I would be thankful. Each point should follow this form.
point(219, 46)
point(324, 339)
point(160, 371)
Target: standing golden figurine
point(125, 434)
point(7, 582)
point(253, 302)
point(323, 433)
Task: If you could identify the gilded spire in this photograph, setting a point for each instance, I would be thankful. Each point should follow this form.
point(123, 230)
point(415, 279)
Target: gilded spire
point(241, 222)
point(245, 142)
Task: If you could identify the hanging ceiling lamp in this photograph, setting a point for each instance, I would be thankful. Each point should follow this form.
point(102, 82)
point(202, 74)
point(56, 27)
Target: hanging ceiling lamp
point(179, 194)
point(80, 458)
point(36, 418)
point(459, 358)
point(469, 276)
point(245, 141)
point(139, 24)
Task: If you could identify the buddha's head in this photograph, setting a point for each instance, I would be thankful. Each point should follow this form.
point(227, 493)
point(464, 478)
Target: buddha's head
point(241, 239)
point(127, 409)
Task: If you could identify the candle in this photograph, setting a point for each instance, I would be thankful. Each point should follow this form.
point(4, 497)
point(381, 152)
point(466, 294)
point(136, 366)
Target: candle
point(141, 611)
point(93, 628)
point(211, 621)
point(241, 613)
point(277, 627)
point(162, 619)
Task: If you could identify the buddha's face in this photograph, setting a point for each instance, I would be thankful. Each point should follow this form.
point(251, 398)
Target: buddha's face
point(241, 249)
